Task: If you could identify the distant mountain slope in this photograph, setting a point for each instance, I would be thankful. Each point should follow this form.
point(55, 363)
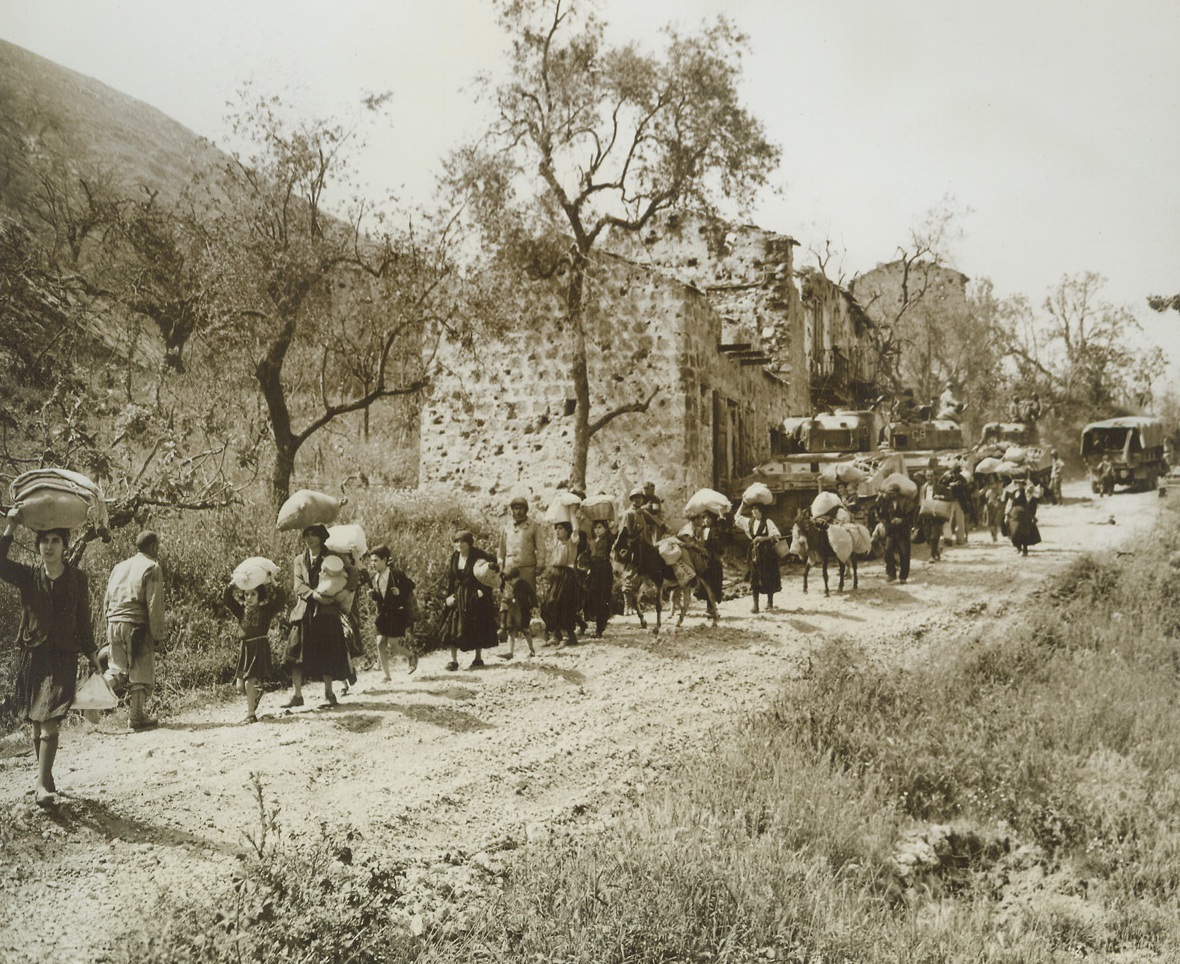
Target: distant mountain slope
point(48, 111)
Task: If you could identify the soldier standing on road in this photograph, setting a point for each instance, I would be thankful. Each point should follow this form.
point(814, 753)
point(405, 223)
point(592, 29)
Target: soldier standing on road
point(135, 626)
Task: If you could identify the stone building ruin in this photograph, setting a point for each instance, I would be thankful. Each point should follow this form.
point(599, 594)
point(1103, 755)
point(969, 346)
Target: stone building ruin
point(709, 313)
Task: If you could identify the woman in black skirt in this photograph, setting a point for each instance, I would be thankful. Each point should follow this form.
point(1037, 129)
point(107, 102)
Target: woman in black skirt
point(255, 610)
point(561, 605)
point(54, 630)
point(470, 620)
point(317, 644)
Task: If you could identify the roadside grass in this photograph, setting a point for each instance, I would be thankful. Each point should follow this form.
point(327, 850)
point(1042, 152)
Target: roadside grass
point(1015, 797)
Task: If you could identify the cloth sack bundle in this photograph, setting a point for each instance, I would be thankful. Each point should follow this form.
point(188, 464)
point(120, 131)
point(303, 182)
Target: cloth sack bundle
point(1009, 468)
point(347, 538)
point(847, 472)
point(758, 494)
point(706, 500)
point(903, 484)
point(987, 466)
point(563, 508)
point(333, 578)
point(843, 540)
point(94, 696)
point(254, 572)
point(486, 573)
point(669, 550)
point(824, 503)
point(935, 509)
point(599, 508)
point(684, 572)
point(308, 508)
point(57, 499)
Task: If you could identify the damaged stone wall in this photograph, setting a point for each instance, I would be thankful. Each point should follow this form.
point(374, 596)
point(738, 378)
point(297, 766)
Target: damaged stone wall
point(747, 274)
point(501, 418)
point(836, 340)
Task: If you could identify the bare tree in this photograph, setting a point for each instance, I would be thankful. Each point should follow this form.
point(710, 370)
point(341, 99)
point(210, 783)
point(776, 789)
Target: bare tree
point(591, 138)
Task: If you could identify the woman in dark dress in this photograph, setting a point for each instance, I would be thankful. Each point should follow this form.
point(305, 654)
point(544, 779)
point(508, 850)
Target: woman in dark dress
point(1022, 518)
point(765, 576)
point(600, 586)
point(55, 629)
point(470, 620)
point(561, 604)
point(317, 643)
point(254, 610)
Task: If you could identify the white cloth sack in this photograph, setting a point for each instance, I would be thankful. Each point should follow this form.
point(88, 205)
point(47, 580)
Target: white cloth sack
point(308, 508)
point(842, 539)
point(707, 500)
point(987, 466)
point(347, 538)
point(670, 551)
point(486, 574)
point(903, 484)
point(254, 572)
point(824, 503)
point(599, 508)
point(758, 494)
point(94, 694)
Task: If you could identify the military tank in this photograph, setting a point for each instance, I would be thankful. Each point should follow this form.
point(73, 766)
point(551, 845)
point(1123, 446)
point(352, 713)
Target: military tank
point(829, 452)
point(1019, 442)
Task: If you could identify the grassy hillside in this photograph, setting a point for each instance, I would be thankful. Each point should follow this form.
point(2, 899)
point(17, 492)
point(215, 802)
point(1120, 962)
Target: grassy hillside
point(46, 109)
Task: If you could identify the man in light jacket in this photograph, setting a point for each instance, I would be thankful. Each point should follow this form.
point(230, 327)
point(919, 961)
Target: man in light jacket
point(135, 626)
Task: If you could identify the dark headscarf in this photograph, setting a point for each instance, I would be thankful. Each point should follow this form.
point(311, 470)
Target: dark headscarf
point(464, 535)
point(318, 530)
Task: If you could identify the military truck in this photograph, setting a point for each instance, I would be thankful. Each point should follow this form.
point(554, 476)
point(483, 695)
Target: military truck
point(1134, 446)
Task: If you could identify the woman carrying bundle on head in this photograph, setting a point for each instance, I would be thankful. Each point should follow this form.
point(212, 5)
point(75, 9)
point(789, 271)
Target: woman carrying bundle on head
point(765, 576)
point(255, 603)
point(55, 629)
point(561, 605)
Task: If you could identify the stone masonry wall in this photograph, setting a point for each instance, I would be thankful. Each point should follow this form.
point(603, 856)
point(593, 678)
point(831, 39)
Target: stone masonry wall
point(748, 275)
point(502, 421)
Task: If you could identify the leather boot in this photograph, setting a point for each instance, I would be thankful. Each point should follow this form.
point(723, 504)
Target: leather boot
point(137, 718)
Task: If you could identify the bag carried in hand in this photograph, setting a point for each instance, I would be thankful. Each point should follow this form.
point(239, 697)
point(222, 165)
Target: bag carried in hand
point(94, 694)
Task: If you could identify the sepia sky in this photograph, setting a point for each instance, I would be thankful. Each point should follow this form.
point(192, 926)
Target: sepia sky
point(1054, 125)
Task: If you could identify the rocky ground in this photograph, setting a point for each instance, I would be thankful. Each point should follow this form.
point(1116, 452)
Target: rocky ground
point(448, 772)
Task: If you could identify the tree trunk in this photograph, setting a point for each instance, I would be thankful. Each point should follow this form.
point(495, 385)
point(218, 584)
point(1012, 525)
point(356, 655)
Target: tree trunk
point(269, 372)
point(574, 317)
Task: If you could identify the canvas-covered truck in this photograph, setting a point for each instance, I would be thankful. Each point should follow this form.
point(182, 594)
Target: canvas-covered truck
point(1132, 445)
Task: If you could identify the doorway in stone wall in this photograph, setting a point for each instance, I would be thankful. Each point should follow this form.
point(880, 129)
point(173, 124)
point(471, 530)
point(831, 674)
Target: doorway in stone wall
point(724, 441)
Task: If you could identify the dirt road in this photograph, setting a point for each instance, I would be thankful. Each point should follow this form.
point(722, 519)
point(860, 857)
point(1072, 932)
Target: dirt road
point(447, 771)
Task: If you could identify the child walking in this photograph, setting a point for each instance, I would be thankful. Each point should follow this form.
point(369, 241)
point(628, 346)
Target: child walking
point(254, 609)
point(393, 592)
point(517, 602)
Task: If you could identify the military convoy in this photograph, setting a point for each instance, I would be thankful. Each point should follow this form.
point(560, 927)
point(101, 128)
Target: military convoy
point(840, 451)
point(999, 439)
